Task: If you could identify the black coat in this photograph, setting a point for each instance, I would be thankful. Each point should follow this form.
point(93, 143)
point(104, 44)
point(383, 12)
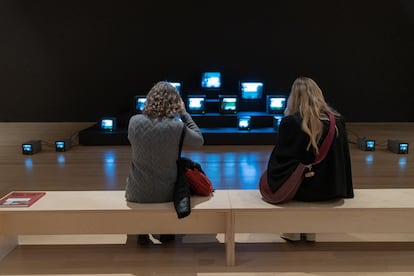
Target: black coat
point(333, 176)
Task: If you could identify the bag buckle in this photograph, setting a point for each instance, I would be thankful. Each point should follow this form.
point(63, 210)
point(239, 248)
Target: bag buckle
point(309, 172)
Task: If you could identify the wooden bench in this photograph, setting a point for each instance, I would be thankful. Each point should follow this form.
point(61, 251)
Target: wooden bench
point(107, 212)
point(371, 211)
point(227, 211)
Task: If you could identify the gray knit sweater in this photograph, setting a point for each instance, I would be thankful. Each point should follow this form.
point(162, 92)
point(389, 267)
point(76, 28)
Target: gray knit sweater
point(154, 144)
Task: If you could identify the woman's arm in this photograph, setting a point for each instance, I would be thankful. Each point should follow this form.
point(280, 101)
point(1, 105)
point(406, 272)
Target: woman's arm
point(193, 136)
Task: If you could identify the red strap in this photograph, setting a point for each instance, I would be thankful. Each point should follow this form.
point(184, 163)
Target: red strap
point(328, 139)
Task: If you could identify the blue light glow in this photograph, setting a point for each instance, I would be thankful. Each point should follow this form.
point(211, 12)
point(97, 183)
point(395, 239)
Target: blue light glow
point(110, 168)
point(28, 162)
point(402, 163)
point(369, 159)
point(60, 159)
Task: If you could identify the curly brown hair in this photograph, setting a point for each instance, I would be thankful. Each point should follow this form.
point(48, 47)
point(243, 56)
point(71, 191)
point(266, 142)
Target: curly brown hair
point(163, 100)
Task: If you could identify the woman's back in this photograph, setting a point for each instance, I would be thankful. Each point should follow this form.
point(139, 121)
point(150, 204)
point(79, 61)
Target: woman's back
point(154, 145)
point(333, 176)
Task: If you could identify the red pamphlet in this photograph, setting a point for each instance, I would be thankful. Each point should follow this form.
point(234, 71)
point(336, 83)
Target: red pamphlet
point(20, 199)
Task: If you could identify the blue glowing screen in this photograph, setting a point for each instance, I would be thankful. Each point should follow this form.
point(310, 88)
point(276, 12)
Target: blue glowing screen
point(251, 90)
point(211, 80)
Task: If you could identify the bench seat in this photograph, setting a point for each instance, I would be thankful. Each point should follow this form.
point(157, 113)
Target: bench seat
point(227, 211)
point(370, 211)
point(107, 212)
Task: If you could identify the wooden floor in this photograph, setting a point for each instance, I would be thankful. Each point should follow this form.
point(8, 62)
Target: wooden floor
point(229, 167)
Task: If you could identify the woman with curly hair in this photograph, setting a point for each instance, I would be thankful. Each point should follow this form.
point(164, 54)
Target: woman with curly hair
point(154, 137)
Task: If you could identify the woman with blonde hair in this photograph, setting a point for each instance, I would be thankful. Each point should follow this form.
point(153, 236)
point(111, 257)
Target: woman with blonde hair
point(301, 132)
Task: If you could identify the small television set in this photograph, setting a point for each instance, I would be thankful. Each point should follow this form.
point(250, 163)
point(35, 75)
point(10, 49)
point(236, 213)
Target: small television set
point(196, 104)
point(177, 85)
point(228, 104)
point(108, 124)
point(139, 103)
point(276, 104)
point(211, 80)
point(403, 148)
point(31, 147)
point(63, 145)
point(251, 90)
point(60, 145)
point(243, 122)
point(27, 148)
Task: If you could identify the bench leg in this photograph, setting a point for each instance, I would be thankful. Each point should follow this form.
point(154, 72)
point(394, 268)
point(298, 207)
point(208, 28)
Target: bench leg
point(230, 240)
point(7, 244)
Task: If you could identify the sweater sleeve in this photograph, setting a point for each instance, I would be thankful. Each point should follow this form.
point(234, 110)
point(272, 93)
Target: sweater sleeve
point(193, 136)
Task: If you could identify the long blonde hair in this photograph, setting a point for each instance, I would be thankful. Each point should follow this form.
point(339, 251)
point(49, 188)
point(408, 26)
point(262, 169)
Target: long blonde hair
point(307, 98)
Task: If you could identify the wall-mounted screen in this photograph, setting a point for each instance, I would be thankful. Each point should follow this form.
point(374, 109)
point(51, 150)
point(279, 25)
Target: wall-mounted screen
point(251, 90)
point(211, 80)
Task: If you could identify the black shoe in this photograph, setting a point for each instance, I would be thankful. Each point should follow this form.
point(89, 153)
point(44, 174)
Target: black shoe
point(165, 238)
point(291, 237)
point(144, 240)
point(310, 237)
point(298, 237)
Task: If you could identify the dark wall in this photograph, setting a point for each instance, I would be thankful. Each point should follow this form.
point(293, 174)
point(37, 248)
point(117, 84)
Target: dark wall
point(81, 60)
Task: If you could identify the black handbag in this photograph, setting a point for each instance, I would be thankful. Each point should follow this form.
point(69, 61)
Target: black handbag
point(182, 192)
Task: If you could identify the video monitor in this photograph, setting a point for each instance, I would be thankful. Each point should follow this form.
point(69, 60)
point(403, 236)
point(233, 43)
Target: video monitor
point(108, 124)
point(228, 104)
point(177, 85)
point(251, 90)
point(243, 122)
point(211, 80)
point(60, 145)
point(196, 104)
point(276, 104)
point(139, 103)
point(403, 148)
point(27, 148)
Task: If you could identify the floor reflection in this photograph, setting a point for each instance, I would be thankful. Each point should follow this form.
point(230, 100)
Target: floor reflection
point(110, 169)
point(232, 170)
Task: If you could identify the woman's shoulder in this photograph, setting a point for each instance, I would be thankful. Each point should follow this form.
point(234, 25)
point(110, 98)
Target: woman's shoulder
point(141, 118)
point(134, 119)
point(293, 117)
point(138, 116)
point(291, 120)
